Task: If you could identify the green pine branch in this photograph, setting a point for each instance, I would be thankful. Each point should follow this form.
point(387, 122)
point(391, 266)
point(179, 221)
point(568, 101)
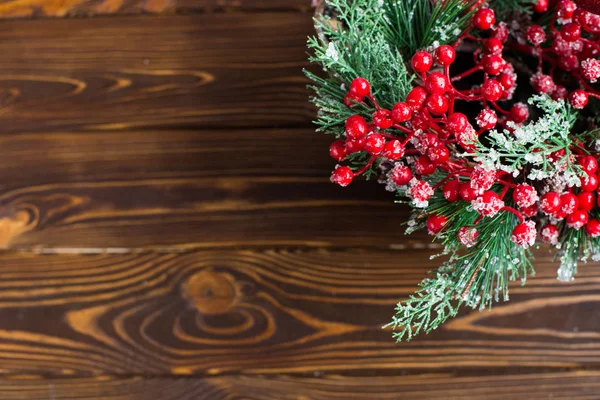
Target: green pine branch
point(418, 24)
point(476, 277)
point(506, 7)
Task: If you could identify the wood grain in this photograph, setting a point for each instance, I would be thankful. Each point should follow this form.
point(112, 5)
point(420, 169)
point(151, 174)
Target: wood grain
point(273, 312)
point(184, 189)
point(172, 71)
point(561, 385)
point(86, 8)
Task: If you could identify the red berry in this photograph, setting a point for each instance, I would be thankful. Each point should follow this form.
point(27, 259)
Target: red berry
point(550, 203)
point(492, 90)
point(590, 22)
point(337, 150)
point(466, 192)
point(550, 234)
point(445, 55)
point(530, 211)
point(487, 119)
point(571, 32)
point(383, 119)
point(559, 215)
point(577, 219)
point(468, 236)
point(426, 141)
point(591, 69)
point(519, 113)
point(355, 145)
point(568, 203)
point(482, 178)
point(578, 99)
point(493, 46)
point(566, 8)
point(467, 139)
point(457, 123)
point(524, 234)
point(589, 164)
point(393, 150)
point(589, 183)
point(401, 175)
point(438, 154)
point(500, 32)
point(593, 227)
point(436, 83)
point(492, 64)
point(543, 83)
point(484, 19)
point(535, 35)
point(436, 223)
point(422, 62)
point(561, 47)
point(401, 112)
point(506, 80)
point(541, 6)
point(525, 195)
point(356, 127)
point(450, 190)
point(587, 200)
point(560, 93)
point(360, 87)
point(420, 191)
point(568, 62)
point(488, 205)
point(351, 100)
point(374, 143)
point(437, 104)
point(424, 166)
point(416, 98)
point(342, 176)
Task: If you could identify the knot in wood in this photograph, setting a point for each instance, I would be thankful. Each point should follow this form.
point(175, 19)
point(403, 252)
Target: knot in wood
point(210, 292)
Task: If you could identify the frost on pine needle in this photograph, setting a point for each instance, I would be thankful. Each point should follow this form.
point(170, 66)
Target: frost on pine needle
point(535, 144)
point(475, 278)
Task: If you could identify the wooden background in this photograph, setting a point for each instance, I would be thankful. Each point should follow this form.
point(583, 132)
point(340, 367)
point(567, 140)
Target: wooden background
point(169, 231)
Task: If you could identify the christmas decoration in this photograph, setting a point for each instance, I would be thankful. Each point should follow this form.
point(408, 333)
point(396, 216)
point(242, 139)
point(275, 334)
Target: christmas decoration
point(483, 117)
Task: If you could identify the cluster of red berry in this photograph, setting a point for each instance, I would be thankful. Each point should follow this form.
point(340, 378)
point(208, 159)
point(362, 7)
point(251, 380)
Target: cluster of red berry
point(424, 133)
point(572, 48)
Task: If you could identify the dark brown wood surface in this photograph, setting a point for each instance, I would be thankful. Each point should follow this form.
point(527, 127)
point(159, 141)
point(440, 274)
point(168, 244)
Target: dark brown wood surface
point(168, 230)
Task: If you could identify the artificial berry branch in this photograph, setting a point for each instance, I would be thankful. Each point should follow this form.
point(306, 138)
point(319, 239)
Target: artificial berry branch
point(490, 156)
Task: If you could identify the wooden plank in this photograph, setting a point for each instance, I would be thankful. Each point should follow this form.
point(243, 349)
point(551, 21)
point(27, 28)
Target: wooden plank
point(165, 189)
point(560, 385)
point(171, 71)
point(86, 8)
point(273, 312)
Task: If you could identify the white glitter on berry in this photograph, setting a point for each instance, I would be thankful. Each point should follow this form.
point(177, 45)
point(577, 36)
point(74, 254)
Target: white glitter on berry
point(420, 191)
point(487, 208)
point(550, 234)
point(591, 69)
point(527, 237)
point(468, 236)
point(482, 179)
point(487, 119)
point(526, 196)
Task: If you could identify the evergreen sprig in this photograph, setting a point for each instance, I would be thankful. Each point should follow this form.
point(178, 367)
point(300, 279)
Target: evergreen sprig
point(530, 147)
point(417, 24)
point(475, 278)
point(355, 45)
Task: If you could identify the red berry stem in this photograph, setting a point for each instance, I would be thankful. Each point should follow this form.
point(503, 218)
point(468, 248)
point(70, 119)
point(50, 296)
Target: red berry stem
point(466, 73)
point(515, 212)
point(366, 167)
